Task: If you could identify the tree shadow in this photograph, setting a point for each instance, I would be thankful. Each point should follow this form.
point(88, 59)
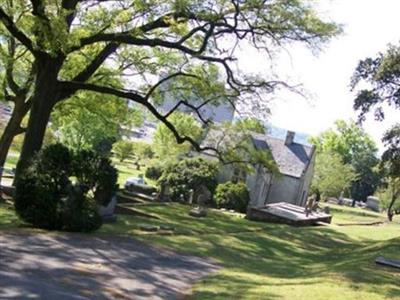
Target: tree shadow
point(74, 266)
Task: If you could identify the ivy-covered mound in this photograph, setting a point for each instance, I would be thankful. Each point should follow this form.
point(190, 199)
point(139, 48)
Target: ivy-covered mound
point(231, 195)
point(46, 196)
point(189, 174)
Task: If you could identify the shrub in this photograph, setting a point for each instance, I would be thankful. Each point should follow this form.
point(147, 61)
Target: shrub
point(95, 174)
point(232, 196)
point(154, 172)
point(46, 198)
point(80, 212)
point(104, 146)
point(189, 174)
point(37, 200)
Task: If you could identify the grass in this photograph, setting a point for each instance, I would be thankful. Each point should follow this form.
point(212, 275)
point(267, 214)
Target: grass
point(8, 218)
point(269, 261)
point(126, 169)
point(12, 160)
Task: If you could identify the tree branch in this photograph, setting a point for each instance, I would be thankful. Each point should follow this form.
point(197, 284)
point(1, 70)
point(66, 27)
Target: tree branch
point(154, 87)
point(15, 32)
point(134, 96)
point(96, 62)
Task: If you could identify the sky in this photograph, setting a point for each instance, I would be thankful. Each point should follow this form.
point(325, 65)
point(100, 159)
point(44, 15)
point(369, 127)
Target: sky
point(369, 26)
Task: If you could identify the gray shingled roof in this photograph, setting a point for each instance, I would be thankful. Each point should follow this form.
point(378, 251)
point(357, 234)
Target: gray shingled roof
point(291, 159)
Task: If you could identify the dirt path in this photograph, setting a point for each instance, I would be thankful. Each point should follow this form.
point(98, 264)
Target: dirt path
point(74, 266)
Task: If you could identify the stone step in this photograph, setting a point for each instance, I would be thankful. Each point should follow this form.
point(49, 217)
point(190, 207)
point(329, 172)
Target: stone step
point(138, 195)
point(123, 198)
point(130, 209)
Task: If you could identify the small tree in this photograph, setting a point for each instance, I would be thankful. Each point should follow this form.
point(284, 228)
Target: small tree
point(356, 148)
point(331, 174)
point(388, 196)
point(123, 150)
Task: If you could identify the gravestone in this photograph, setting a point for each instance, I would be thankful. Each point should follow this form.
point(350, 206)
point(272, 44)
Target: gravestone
point(148, 227)
point(164, 195)
point(198, 212)
point(107, 212)
point(373, 203)
point(203, 197)
point(190, 200)
point(347, 202)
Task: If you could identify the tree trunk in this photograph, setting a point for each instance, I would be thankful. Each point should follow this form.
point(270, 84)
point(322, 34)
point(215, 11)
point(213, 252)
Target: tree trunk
point(43, 101)
point(390, 213)
point(12, 129)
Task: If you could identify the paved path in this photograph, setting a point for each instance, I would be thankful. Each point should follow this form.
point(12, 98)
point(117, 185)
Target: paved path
point(74, 266)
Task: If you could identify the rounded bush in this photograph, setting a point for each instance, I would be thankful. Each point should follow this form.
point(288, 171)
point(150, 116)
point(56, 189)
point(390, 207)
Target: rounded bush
point(46, 197)
point(37, 200)
point(189, 174)
point(232, 196)
point(154, 172)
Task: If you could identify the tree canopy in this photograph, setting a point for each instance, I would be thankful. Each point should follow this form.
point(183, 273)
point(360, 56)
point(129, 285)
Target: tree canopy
point(379, 78)
point(69, 41)
point(356, 148)
point(165, 145)
point(251, 124)
point(331, 175)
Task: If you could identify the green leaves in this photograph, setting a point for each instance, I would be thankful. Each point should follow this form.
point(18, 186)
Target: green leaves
point(331, 175)
point(164, 141)
point(355, 148)
point(87, 118)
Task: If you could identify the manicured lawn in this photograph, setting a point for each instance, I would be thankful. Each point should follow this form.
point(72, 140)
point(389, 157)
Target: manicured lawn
point(126, 169)
point(344, 214)
point(8, 218)
point(12, 160)
point(268, 261)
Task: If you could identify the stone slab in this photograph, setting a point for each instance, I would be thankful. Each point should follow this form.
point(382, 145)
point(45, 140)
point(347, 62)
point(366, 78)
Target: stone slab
point(387, 262)
point(287, 213)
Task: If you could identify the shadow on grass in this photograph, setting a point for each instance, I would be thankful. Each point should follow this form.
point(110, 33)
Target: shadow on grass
point(69, 266)
point(280, 252)
point(266, 256)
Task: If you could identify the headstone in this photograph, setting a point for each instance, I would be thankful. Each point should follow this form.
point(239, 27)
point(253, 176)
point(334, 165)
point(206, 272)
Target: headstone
point(190, 200)
point(332, 200)
point(340, 200)
point(107, 212)
point(347, 202)
point(203, 195)
point(147, 227)
point(373, 203)
point(387, 262)
point(198, 212)
point(167, 227)
point(164, 195)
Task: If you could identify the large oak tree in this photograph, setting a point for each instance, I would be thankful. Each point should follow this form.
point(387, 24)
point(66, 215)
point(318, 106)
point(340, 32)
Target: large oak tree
point(151, 42)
